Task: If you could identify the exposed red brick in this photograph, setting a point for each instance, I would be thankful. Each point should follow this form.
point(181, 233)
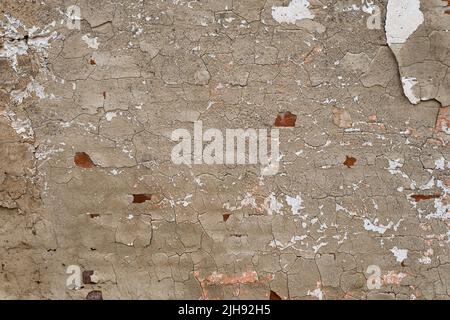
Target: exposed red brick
point(87, 276)
point(220, 279)
point(92, 61)
point(420, 197)
point(226, 216)
point(82, 160)
point(274, 296)
point(349, 161)
point(285, 119)
point(141, 198)
point(443, 119)
point(94, 295)
point(104, 94)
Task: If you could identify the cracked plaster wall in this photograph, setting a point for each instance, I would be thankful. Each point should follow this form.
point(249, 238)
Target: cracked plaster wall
point(86, 176)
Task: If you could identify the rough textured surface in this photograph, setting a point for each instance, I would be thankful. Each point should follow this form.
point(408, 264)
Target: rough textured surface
point(86, 177)
point(423, 57)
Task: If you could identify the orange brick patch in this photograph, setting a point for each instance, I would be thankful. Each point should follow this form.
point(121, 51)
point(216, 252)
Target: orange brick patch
point(443, 119)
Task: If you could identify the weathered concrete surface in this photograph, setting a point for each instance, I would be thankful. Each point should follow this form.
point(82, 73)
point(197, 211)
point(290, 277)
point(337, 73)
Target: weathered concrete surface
point(423, 51)
point(86, 176)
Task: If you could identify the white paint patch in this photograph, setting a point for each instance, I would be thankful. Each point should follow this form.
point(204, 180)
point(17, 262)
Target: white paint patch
point(320, 245)
point(425, 260)
point(45, 151)
point(91, 42)
point(316, 293)
point(400, 254)
point(272, 167)
point(11, 50)
point(296, 10)
point(21, 126)
point(394, 164)
point(247, 201)
point(110, 115)
point(33, 86)
point(428, 185)
point(41, 43)
point(442, 210)
point(186, 201)
point(439, 164)
point(408, 85)
point(374, 226)
point(375, 205)
point(441, 206)
point(368, 6)
point(279, 245)
point(272, 205)
point(198, 182)
point(295, 203)
point(403, 17)
point(341, 208)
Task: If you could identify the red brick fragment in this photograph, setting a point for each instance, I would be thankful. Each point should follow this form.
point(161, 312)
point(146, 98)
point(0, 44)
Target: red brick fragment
point(420, 197)
point(274, 296)
point(82, 160)
point(141, 198)
point(349, 161)
point(87, 276)
point(285, 119)
point(94, 295)
point(443, 119)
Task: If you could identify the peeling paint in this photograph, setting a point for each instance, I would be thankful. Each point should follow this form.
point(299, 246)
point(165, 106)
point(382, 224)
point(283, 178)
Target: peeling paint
point(296, 10)
point(408, 85)
point(402, 19)
point(86, 173)
point(90, 42)
point(400, 254)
